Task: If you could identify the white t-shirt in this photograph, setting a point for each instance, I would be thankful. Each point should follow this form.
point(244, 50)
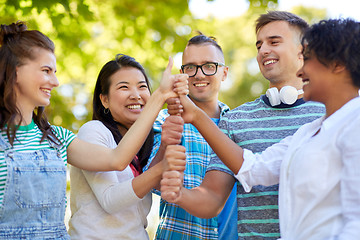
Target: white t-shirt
point(104, 204)
point(319, 177)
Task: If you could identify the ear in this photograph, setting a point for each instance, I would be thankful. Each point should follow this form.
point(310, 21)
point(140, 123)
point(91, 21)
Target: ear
point(16, 73)
point(338, 68)
point(300, 55)
point(104, 100)
point(300, 52)
point(226, 70)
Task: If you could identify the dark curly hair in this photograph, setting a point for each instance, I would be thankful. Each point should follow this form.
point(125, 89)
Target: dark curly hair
point(17, 45)
point(335, 41)
point(102, 86)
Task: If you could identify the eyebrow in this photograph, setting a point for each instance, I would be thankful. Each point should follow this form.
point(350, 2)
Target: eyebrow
point(269, 38)
point(203, 62)
point(51, 69)
point(125, 82)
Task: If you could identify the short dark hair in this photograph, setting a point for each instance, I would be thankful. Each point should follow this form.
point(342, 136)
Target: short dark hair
point(335, 41)
point(288, 17)
point(102, 87)
point(201, 39)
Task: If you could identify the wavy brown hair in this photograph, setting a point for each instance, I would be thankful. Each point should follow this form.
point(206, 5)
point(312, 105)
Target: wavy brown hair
point(18, 44)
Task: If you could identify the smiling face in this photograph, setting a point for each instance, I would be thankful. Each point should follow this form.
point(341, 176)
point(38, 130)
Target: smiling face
point(35, 79)
point(127, 95)
point(317, 79)
point(279, 53)
point(204, 88)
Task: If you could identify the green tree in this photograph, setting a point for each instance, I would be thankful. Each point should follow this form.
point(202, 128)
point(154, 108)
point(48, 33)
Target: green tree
point(89, 33)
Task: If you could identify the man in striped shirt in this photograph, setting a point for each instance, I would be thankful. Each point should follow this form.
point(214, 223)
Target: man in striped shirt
point(257, 125)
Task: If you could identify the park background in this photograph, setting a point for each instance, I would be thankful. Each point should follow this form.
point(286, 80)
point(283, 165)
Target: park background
point(88, 33)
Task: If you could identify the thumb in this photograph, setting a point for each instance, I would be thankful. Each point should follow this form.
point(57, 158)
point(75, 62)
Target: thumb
point(167, 71)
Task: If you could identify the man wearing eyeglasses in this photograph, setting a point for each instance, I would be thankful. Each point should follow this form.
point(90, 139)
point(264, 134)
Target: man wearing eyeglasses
point(204, 62)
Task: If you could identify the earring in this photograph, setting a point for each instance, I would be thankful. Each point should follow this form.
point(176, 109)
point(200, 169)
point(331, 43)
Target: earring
point(106, 110)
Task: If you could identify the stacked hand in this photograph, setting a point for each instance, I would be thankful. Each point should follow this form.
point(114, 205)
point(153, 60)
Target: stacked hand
point(175, 157)
point(172, 130)
point(173, 85)
point(182, 106)
point(181, 109)
point(171, 184)
point(172, 180)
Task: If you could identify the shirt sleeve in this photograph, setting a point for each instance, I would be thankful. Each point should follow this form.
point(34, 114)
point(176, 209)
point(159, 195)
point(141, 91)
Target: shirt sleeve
point(111, 194)
point(262, 168)
point(65, 135)
point(113, 189)
point(348, 142)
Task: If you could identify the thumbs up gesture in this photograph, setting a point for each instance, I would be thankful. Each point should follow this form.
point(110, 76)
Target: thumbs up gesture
point(173, 85)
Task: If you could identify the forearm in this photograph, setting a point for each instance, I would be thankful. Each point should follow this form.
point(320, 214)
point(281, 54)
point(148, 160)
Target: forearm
point(148, 180)
point(159, 156)
point(156, 161)
point(200, 202)
point(228, 151)
point(204, 201)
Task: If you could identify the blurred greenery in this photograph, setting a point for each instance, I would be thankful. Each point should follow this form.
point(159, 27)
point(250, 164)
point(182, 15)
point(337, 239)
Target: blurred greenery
point(88, 33)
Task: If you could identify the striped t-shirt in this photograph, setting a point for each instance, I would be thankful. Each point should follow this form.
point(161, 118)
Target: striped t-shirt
point(256, 126)
point(28, 140)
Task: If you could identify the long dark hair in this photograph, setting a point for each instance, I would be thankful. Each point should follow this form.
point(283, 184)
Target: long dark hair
point(102, 87)
point(17, 44)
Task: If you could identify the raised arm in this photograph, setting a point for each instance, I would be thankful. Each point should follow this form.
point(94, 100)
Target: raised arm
point(228, 151)
point(98, 158)
point(204, 201)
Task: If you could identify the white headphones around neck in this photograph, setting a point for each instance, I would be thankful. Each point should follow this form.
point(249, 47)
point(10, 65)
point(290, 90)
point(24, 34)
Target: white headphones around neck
point(287, 95)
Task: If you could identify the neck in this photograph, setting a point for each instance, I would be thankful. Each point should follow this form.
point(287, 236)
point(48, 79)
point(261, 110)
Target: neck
point(334, 103)
point(211, 108)
point(26, 115)
point(294, 82)
point(122, 129)
point(25, 120)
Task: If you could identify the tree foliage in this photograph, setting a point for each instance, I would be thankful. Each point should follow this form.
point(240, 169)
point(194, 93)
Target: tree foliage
point(88, 33)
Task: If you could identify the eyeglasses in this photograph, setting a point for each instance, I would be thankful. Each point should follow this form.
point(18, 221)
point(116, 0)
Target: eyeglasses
point(208, 69)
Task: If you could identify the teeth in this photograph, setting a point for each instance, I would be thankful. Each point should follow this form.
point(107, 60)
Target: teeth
point(45, 90)
point(305, 83)
point(134, 106)
point(200, 84)
point(269, 62)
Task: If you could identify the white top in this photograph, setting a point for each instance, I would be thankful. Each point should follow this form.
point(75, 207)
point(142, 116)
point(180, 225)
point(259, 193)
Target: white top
point(319, 176)
point(104, 204)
